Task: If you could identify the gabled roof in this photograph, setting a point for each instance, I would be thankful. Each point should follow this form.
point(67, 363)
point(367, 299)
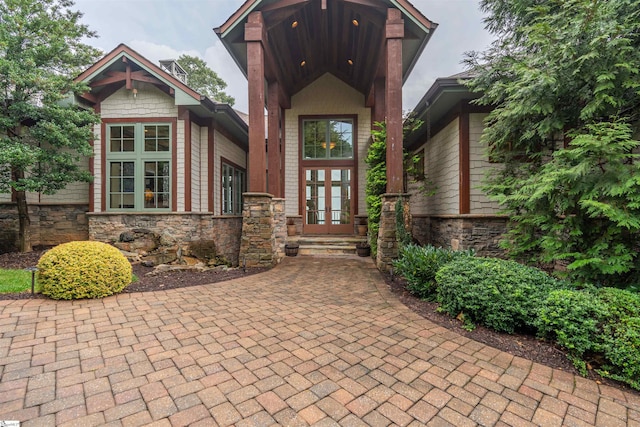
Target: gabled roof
point(123, 66)
point(112, 68)
point(437, 102)
point(308, 38)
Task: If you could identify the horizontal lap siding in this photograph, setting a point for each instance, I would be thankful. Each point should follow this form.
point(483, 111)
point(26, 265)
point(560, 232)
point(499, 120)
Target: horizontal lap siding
point(479, 165)
point(442, 169)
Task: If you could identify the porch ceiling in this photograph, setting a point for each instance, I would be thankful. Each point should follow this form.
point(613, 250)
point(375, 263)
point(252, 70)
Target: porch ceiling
point(308, 38)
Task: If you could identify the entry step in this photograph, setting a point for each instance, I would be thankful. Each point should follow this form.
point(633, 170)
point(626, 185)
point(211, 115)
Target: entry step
point(326, 245)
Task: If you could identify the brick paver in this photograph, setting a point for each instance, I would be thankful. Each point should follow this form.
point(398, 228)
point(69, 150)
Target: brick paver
point(313, 341)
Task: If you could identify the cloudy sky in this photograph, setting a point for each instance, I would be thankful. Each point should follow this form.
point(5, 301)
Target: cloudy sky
point(165, 29)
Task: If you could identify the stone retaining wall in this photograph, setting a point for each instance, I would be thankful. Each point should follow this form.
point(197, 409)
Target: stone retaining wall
point(50, 224)
point(173, 228)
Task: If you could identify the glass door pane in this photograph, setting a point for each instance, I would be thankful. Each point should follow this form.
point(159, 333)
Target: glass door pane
point(328, 201)
point(316, 202)
point(340, 196)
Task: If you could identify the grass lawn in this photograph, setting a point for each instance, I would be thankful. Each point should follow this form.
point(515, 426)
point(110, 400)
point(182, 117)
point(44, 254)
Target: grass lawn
point(13, 281)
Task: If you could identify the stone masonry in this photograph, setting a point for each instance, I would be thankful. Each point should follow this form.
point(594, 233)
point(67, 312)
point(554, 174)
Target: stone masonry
point(480, 232)
point(50, 224)
point(173, 228)
point(387, 240)
point(263, 230)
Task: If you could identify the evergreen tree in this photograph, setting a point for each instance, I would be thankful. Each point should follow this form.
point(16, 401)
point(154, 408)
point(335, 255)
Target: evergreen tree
point(42, 138)
point(563, 76)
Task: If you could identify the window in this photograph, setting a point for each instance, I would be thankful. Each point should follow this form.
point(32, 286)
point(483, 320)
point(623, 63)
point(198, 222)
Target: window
point(233, 185)
point(139, 166)
point(328, 138)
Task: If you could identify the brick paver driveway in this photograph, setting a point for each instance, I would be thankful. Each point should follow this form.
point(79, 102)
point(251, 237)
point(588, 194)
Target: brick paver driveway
point(315, 341)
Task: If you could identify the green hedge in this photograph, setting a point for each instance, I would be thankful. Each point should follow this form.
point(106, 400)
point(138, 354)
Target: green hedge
point(502, 295)
point(419, 265)
point(603, 322)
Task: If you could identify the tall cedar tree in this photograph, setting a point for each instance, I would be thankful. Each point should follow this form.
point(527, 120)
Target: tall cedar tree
point(563, 76)
point(204, 80)
point(42, 140)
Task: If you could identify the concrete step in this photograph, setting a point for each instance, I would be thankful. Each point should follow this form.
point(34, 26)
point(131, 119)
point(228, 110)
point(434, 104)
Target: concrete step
point(326, 245)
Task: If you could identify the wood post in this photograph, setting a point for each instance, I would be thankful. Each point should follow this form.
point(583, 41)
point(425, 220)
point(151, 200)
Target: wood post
point(275, 167)
point(255, 38)
point(393, 100)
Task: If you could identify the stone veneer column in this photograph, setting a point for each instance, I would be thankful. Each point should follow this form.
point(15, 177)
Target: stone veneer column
point(279, 227)
point(258, 243)
point(387, 241)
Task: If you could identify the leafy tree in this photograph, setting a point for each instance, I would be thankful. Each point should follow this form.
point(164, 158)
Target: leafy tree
point(204, 80)
point(564, 78)
point(41, 140)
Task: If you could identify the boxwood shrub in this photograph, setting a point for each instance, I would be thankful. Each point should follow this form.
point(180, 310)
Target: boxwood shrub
point(419, 265)
point(83, 269)
point(573, 319)
point(500, 294)
point(603, 324)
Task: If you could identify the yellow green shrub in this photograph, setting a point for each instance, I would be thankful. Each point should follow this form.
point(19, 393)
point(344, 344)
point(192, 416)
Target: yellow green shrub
point(83, 269)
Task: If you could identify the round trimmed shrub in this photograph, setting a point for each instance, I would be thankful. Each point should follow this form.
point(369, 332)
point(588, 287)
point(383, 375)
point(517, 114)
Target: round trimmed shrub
point(83, 269)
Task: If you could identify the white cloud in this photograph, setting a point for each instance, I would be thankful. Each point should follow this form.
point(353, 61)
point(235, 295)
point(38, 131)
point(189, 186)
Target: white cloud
point(164, 29)
point(156, 52)
point(219, 60)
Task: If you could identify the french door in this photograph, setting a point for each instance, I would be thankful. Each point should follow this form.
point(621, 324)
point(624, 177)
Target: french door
point(329, 202)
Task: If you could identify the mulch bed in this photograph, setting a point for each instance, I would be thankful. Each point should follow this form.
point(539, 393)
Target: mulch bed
point(145, 283)
point(525, 346)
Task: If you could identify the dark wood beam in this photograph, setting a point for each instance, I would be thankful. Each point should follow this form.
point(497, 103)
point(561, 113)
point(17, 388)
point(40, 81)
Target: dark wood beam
point(273, 138)
point(282, 4)
point(127, 77)
point(394, 32)
point(185, 115)
point(255, 37)
point(375, 4)
point(90, 97)
point(378, 112)
point(464, 162)
point(210, 163)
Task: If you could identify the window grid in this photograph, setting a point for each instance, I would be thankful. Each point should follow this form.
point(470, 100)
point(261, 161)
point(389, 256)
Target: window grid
point(139, 160)
point(233, 185)
point(327, 139)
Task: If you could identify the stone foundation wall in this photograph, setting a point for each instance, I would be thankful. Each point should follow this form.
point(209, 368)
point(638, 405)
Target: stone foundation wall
point(226, 232)
point(50, 224)
point(480, 232)
point(387, 241)
point(172, 228)
point(421, 228)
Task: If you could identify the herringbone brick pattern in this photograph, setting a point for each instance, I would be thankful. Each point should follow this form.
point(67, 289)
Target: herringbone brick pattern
point(315, 341)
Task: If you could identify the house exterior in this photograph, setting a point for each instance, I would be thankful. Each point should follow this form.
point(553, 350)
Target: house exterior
point(326, 71)
point(172, 164)
point(168, 164)
point(454, 162)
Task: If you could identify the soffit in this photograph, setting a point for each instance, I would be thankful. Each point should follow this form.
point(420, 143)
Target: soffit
point(345, 38)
